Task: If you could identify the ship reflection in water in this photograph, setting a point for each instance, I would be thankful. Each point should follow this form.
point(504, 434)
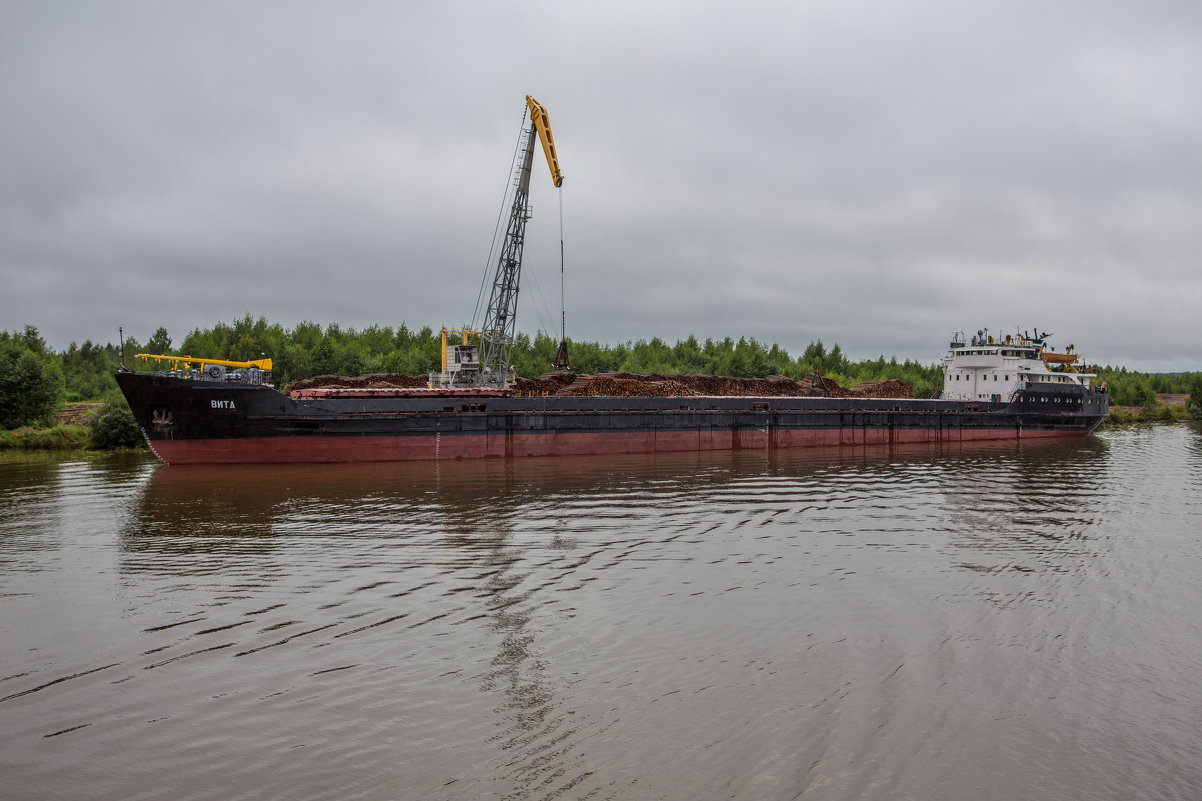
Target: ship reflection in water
point(853, 623)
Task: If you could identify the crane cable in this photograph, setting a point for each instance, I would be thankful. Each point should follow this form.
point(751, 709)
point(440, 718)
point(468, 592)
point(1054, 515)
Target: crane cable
point(563, 318)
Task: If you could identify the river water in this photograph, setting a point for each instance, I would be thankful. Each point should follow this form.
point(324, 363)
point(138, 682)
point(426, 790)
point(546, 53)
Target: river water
point(980, 622)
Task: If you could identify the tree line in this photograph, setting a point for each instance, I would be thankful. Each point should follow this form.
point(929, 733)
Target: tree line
point(35, 380)
point(308, 350)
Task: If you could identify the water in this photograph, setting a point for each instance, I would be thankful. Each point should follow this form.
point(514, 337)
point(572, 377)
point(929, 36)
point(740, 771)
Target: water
point(987, 622)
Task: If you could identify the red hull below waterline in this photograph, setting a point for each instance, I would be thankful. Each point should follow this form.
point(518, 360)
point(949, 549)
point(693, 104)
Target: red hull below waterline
point(503, 445)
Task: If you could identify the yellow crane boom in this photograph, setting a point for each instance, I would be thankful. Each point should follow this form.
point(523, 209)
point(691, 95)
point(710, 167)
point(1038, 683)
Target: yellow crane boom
point(542, 124)
point(176, 361)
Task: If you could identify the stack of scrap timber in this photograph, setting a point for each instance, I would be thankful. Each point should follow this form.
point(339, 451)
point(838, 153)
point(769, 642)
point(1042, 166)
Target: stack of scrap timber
point(891, 388)
point(637, 385)
point(657, 385)
point(545, 384)
point(77, 413)
point(617, 386)
point(370, 381)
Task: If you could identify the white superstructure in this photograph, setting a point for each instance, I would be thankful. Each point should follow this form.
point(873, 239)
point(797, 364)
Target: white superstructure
point(989, 368)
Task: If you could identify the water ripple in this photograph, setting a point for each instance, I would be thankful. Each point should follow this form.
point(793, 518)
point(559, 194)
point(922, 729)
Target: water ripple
point(870, 623)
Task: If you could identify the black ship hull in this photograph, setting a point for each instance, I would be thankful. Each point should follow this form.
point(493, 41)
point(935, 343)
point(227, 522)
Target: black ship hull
point(188, 421)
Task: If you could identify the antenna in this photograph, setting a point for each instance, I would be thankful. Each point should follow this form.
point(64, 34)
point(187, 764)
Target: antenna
point(121, 349)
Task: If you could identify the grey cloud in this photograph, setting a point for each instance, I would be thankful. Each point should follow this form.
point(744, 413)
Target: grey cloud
point(879, 175)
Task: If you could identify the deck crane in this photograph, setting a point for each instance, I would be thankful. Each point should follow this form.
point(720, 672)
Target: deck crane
point(491, 367)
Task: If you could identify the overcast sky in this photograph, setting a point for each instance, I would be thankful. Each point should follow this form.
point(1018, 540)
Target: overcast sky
point(877, 174)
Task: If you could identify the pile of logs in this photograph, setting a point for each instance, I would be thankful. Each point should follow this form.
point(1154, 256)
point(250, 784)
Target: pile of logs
point(637, 385)
point(656, 385)
point(370, 381)
point(891, 388)
point(77, 413)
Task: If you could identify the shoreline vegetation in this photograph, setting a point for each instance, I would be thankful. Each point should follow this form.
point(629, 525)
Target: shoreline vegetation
point(68, 400)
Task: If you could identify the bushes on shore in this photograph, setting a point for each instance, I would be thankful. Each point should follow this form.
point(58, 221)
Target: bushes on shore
point(113, 426)
point(31, 381)
point(1152, 412)
point(1194, 403)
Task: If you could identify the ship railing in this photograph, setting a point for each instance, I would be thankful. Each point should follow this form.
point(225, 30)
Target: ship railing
point(218, 374)
point(441, 379)
point(488, 380)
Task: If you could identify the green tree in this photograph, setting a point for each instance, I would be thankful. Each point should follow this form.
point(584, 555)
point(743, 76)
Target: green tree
point(1132, 390)
point(31, 380)
point(325, 359)
point(1195, 396)
point(160, 342)
point(88, 371)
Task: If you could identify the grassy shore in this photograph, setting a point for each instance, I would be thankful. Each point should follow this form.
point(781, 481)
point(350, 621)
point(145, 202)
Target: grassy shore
point(1168, 408)
point(1125, 415)
point(59, 437)
point(77, 427)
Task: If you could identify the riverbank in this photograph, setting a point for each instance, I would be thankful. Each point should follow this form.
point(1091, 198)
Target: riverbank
point(59, 437)
point(87, 426)
point(1167, 408)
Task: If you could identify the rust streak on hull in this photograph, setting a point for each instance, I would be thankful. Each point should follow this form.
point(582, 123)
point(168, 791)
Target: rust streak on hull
point(317, 449)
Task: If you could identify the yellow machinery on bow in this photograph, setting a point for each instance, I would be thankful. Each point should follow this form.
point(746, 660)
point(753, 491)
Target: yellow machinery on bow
point(182, 362)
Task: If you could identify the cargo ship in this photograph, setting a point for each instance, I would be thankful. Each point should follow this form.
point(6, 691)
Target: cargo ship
point(227, 412)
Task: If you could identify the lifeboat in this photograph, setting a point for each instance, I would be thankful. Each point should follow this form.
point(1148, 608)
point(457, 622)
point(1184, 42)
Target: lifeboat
point(1059, 358)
